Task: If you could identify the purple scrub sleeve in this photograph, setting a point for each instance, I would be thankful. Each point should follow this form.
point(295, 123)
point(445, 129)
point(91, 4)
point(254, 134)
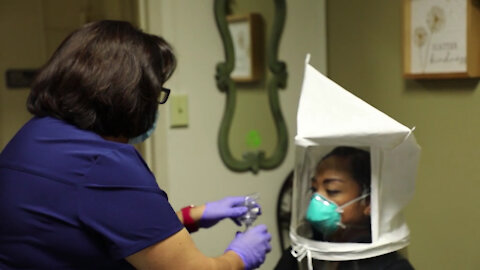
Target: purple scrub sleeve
point(125, 209)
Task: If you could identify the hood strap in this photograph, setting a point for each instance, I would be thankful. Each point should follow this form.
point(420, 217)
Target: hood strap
point(299, 252)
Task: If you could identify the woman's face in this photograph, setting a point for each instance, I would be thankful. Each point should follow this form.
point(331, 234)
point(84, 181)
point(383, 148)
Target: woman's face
point(334, 181)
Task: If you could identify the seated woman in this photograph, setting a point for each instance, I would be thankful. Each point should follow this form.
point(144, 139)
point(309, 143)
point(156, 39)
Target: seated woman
point(339, 210)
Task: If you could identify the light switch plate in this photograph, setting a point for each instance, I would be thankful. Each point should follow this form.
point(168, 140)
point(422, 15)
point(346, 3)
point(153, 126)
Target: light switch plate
point(178, 111)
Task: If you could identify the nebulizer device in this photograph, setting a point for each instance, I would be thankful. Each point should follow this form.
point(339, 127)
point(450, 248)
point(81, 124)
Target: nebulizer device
point(251, 202)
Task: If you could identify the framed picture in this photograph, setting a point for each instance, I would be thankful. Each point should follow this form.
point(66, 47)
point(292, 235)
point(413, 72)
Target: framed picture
point(247, 36)
point(441, 39)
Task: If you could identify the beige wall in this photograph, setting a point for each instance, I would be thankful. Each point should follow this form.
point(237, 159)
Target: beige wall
point(22, 46)
point(364, 55)
point(31, 30)
point(186, 160)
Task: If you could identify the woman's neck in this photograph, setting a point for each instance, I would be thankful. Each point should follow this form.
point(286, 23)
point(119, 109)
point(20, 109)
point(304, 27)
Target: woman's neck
point(353, 234)
point(116, 139)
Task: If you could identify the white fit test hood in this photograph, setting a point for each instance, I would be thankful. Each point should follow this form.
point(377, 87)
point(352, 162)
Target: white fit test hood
point(329, 116)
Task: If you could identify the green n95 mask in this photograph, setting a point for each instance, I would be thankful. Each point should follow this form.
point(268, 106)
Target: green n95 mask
point(325, 215)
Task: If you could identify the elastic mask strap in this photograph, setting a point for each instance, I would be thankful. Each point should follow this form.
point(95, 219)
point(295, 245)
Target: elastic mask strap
point(340, 208)
point(352, 201)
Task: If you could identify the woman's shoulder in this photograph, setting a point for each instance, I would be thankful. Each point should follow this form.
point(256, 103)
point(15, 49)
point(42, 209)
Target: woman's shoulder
point(54, 149)
point(100, 161)
point(120, 164)
point(389, 261)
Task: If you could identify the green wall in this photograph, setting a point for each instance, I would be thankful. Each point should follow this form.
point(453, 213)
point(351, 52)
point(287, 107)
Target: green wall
point(365, 56)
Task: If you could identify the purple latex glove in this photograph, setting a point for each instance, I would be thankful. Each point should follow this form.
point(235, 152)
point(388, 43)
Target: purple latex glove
point(252, 246)
point(229, 207)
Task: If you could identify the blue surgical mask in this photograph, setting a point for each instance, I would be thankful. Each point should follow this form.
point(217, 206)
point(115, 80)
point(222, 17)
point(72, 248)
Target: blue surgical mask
point(142, 137)
point(325, 215)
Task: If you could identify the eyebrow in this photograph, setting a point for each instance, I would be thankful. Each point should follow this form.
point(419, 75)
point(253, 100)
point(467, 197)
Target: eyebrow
point(332, 180)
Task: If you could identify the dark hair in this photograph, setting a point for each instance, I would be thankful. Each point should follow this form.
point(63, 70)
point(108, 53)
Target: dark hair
point(105, 77)
point(358, 162)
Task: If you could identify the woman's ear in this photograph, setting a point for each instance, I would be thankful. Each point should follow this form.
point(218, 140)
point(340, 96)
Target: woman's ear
point(367, 210)
point(314, 183)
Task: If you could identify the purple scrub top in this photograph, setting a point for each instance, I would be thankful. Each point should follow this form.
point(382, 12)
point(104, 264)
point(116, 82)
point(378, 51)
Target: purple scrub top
point(70, 199)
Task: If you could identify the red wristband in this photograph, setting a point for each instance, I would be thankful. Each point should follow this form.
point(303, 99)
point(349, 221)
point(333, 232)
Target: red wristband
point(188, 221)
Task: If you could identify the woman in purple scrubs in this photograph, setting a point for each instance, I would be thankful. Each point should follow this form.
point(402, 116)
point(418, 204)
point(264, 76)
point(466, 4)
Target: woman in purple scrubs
point(74, 194)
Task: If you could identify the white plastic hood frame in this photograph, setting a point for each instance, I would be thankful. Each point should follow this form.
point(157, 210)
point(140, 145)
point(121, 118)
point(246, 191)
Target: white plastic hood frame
point(329, 116)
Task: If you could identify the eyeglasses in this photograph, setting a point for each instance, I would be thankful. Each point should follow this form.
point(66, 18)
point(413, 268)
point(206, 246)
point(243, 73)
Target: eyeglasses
point(164, 93)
